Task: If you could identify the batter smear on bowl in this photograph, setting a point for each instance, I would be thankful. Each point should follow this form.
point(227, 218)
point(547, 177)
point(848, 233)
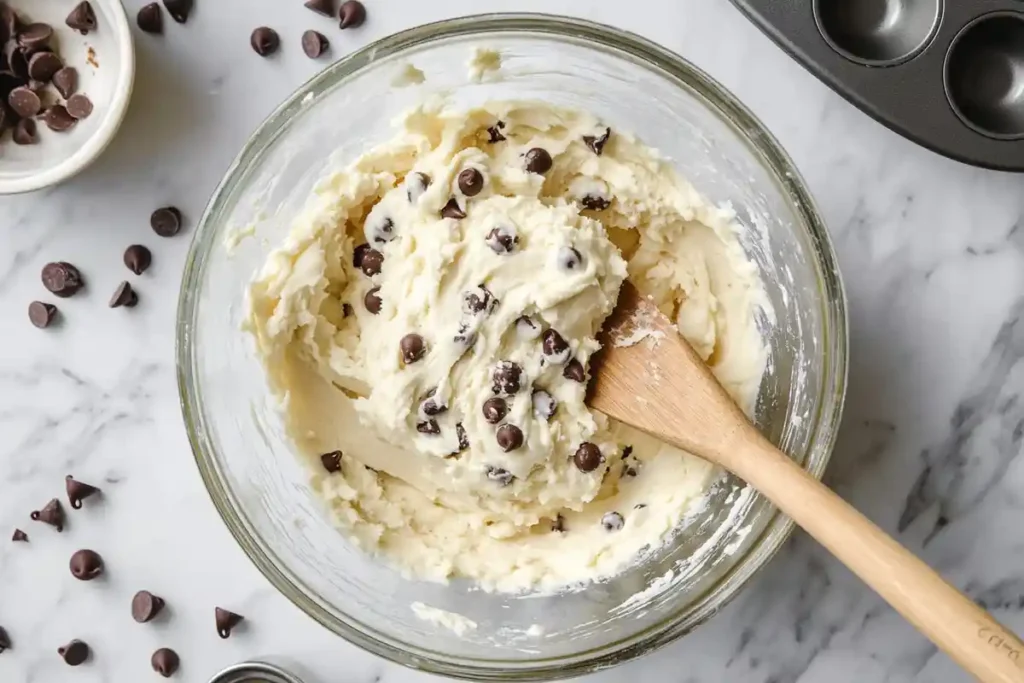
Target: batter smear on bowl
point(428, 326)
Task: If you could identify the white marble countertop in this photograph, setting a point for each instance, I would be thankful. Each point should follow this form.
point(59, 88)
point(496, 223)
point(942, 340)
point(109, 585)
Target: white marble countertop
point(933, 256)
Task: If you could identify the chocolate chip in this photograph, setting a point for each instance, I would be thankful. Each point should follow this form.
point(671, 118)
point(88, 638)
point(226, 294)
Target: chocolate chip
point(372, 262)
point(145, 606)
point(495, 133)
point(502, 239)
point(74, 653)
point(452, 210)
point(569, 259)
point(415, 185)
point(58, 119)
point(509, 437)
point(466, 336)
point(495, 409)
point(179, 9)
point(431, 405)
point(226, 621)
point(555, 347)
point(596, 144)
point(25, 102)
point(558, 523)
point(42, 66)
point(82, 18)
point(265, 41)
point(165, 662)
point(478, 300)
point(588, 457)
point(19, 535)
point(66, 81)
point(86, 565)
point(372, 300)
point(612, 521)
point(79, 106)
point(346, 310)
point(471, 182)
point(331, 461)
point(538, 161)
point(35, 36)
point(358, 253)
point(314, 44)
point(460, 432)
point(628, 471)
point(429, 427)
point(9, 22)
point(137, 258)
point(324, 7)
point(166, 221)
point(595, 203)
point(640, 506)
point(5, 640)
point(544, 404)
point(125, 296)
point(17, 61)
point(575, 371)
point(52, 514)
point(62, 279)
point(352, 14)
point(413, 348)
point(151, 19)
point(381, 230)
point(626, 452)
point(41, 314)
point(526, 328)
point(507, 378)
point(78, 491)
point(501, 476)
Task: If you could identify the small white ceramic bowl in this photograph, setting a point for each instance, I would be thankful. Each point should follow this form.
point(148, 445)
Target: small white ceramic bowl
point(105, 60)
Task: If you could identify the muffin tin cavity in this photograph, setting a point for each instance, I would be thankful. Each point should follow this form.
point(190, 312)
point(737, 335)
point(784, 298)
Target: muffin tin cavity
point(878, 32)
point(984, 75)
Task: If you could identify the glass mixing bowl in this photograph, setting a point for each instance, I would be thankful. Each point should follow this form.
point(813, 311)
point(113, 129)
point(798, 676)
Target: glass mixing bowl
point(236, 430)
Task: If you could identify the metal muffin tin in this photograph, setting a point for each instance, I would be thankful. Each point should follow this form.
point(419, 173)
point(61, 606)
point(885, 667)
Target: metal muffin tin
point(948, 74)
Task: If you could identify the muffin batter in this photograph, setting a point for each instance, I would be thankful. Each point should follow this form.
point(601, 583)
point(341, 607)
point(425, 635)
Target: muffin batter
point(428, 325)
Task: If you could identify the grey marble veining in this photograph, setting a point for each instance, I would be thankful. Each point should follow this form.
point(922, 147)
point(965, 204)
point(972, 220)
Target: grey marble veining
point(933, 258)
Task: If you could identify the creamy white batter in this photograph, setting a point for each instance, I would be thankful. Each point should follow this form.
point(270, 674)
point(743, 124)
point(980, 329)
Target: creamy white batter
point(431, 317)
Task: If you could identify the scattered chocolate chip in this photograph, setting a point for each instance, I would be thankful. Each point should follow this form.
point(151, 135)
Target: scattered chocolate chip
point(429, 427)
point(372, 300)
point(460, 432)
point(478, 300)
point(75, 652)
point(612, 521)
point(165, 662)
point(569, 259)
point(558, 523)
point(82, 18)
point(352, 14)
point(145, 606)
point(526, 328)
point(78, 491)
point(25, 102)
point(331, 461)
point(151, 19)
point(5, 640)
point(544, 404)
point(35, 36)
point(62, 279)
point(431, 405)
point(66, 81)
point(415, 185)
point(52, 514)
point(226, 621)
point(314, 44)
point(595, 203)
point(495, 409)
point(596, 144)
point(495, 132)
point(17, 61)
point(41, 314)
point(381, 230)
point(507, 378)
point(501, 476)
point(538, 161)
point(588, 457)
point(509, 437)
point(265, 41)
point(19, 535)
point(358, 253)
point(626, 452)
point(58, 119)
point(166, 221)
point(179, 9)
point(575, 371)
point(502, 239)
point(137, 258)
point(324, 7)
point(471, 182)
point(413, 348)
point(125, 296)
point(79, 106)
point(555, 348)
point(86, 565)
point(42, 66)
point(452, 210)
point(372, 262)
point(628, 471)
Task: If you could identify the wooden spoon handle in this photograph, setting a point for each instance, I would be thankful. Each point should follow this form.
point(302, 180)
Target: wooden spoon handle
point(952, 621)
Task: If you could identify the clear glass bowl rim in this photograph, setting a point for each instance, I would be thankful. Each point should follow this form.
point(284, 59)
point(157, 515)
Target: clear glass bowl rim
point(761, 143)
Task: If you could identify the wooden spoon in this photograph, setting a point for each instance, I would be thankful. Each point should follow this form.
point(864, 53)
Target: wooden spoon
point(662, 387)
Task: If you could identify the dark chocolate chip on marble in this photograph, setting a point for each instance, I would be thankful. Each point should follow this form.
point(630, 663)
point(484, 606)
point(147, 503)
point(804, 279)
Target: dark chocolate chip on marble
point(42, 66)
point(502, 239)
point(555, 347)
point(265, 41)
point(538, 161)
point(165, 662)
point(151, 18)
point(495, 409)
point(612, 521)
point(500, 476)
point(5, 640)
point(597, 143)
point(452, 210)
point(429, 427)
point(41, 314)
point(52, 514)
point(507, 378)
point(19, 535)
point(352, 14)
point(124, 296)
point(79, 106)
point(226, 621)
point(179, 9)
point(432, 405)
point(471, 182)
point(66, 81)
point(35, 36)
point(494, 133)
point(331, 461)
point(138, 258)
point(78, 491)
point(166, 221)
point(82, 18)
point(575, 371)
point(24, 102)
point(478, 300)
point(86, 565)
point(509, 437)
point(146, 606)
point(526, 328)
point(58, 119)
point(587, 457)
point(544, 404)
point(62, 279)
point(415, 185)
point(324, 7)
point(372, 301)
point(558, 523)
point(413, 348)
point(74, 653)
point(569, 259)
point(595, 203)
point(314, 44)
point(372, 262)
